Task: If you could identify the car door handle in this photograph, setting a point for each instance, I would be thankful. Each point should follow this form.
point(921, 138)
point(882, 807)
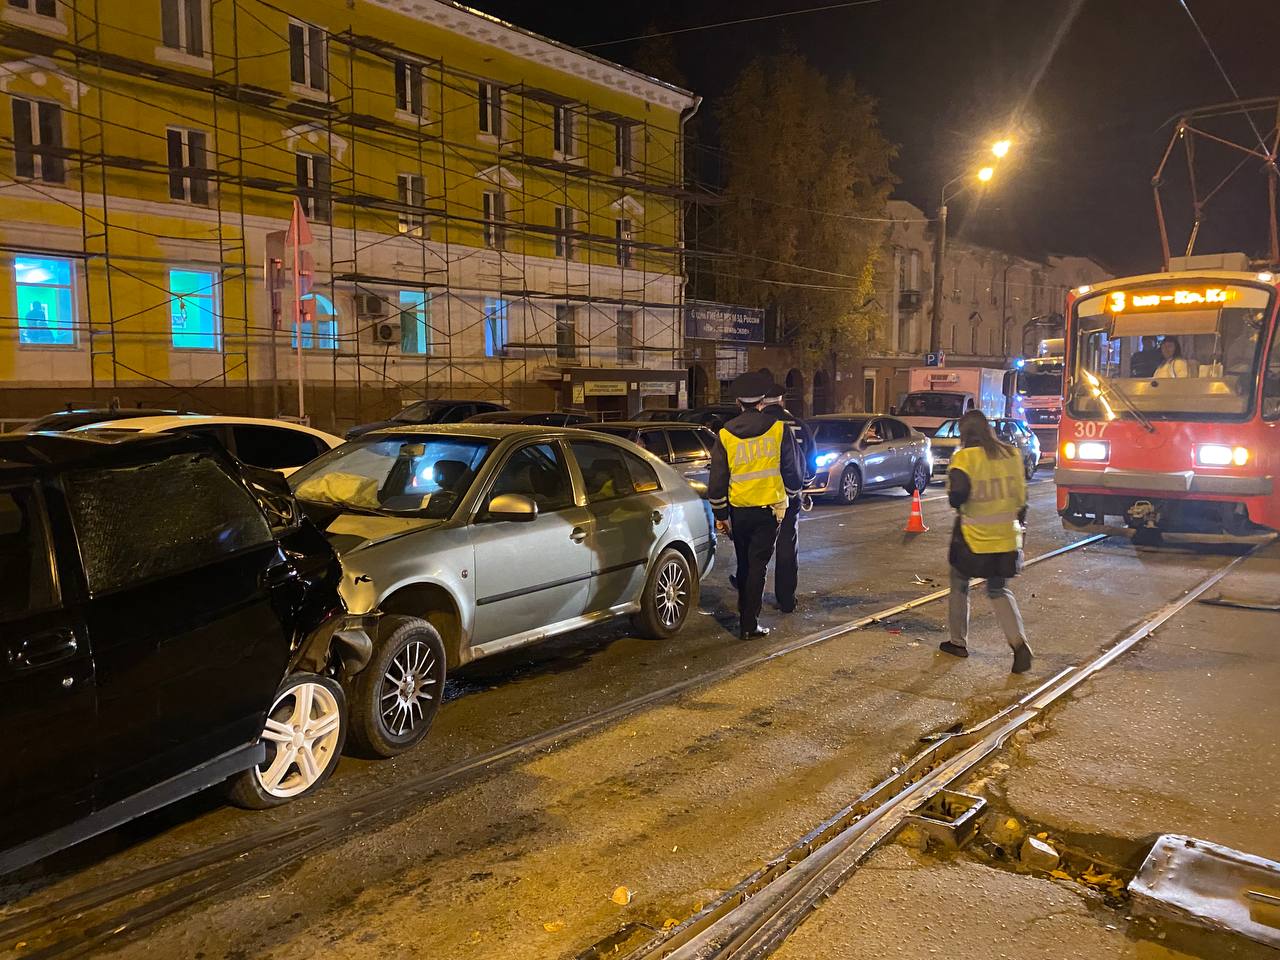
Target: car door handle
point(43, 649)
point(577, 534)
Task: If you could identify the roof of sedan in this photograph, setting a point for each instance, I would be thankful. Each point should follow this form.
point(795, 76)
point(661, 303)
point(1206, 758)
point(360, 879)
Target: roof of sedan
point(61, 450)
point(481, 431)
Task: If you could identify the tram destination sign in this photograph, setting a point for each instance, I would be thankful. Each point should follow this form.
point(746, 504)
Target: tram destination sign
point(1177, 298)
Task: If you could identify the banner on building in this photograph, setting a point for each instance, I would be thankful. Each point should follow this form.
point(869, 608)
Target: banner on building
point(606, 388)
point(720, 321)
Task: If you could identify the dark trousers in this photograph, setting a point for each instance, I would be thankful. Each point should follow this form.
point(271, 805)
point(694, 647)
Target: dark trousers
point(754, 531)
point(786, 570)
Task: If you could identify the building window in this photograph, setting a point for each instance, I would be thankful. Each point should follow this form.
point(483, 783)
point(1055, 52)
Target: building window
point(319, 324)
point(626, 336)
point(193, 309)
point(411, 191)
point(566, 332)
point(45, 8)
point(495, 327)
point(622, 233)
point(188, 174)
point(565, 223)
point(182, 25)
point(563, 130)
point(409, 88)
point(973, 343)
point(913, 271)
point(489, 99)
point(415, 326)
point(45, 300)
point(623, 142)
point(307, 60)
point(37, 141)
point(313, 186)
point(495, 214)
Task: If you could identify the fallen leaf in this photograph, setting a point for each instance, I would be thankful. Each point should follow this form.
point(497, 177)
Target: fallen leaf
point(669, 923)
point(621, 896)
point(553, 926)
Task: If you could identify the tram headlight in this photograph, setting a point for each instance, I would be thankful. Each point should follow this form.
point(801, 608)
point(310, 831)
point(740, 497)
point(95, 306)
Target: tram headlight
point(1095, 451)
point(1221, 455)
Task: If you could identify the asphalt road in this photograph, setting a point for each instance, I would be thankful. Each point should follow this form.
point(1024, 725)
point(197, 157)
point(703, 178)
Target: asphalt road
point(675, 801)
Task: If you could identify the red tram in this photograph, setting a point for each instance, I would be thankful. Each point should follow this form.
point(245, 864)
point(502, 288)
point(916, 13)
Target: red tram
point(1171, 407)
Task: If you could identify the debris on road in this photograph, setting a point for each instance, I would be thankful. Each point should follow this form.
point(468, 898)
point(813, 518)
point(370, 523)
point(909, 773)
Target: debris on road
point(622, 896)
point(1036, 854)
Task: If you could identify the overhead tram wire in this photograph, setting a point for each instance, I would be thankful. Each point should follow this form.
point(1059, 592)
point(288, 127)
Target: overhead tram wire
point(730, 23)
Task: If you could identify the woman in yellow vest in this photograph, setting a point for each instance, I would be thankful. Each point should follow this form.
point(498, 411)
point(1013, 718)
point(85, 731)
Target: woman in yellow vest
point(986, 484)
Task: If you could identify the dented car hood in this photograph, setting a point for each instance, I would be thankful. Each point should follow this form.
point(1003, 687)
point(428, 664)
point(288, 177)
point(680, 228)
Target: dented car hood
point(352, 532)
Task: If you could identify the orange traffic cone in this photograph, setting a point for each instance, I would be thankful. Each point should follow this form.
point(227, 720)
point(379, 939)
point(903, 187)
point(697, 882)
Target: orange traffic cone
point(916, 523)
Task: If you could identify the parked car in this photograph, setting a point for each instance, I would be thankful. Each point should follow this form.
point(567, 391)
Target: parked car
point(71, 419)
point(168, 621)
point(857, 453)
point(1016, 432)
point(478, 538)
point(540, 418)
point(266, 444)
point(686, 446)
point(429, 411)
point(713, 416)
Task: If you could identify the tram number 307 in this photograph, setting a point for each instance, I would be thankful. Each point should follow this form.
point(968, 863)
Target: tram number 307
point(1090, 428)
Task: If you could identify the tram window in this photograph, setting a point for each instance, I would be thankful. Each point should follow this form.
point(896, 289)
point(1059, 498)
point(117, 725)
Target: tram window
point(1271, 388)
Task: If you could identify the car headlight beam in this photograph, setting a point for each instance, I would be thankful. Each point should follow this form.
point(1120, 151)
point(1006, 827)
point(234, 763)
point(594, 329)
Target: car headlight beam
point(825, 459)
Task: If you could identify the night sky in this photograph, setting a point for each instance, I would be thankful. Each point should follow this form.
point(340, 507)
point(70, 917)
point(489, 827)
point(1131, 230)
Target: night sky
point(1088, 86)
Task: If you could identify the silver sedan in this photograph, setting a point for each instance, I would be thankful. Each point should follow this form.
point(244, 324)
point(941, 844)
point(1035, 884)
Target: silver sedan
point(472, 539)
point(854, 453)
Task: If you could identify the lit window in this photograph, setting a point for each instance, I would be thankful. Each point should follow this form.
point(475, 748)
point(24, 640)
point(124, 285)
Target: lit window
point(415, 322)
point(411, 191)
point(313, 185)
point(307, 65)
point(193, 309)
point(622, 233)
point(495, 327)
point(409, 87)
point(319, 324)
point(489, 100)
point(45, 302)
point(626, 336)
point(182, 25)
point(188, 174)
point(44, 8)
point(495, 213)
point(37, 141)
point(565, 225)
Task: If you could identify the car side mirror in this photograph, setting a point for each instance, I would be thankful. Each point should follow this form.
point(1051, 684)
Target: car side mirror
point(513, 506)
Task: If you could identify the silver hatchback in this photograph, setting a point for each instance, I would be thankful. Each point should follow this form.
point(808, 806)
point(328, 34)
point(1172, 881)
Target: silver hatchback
point(477, 538)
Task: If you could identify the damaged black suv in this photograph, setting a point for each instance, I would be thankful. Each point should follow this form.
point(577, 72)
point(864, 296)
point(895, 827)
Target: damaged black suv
point(169, 621)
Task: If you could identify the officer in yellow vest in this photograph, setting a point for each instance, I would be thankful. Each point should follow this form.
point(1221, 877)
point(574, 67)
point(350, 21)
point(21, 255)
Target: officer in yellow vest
point(987, 485)
point(754, 474)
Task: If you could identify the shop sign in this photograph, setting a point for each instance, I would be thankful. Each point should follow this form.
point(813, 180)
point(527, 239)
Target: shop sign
point(606, 388)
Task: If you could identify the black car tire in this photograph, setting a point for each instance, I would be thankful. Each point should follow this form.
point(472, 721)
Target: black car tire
point(670, 593)
point(1031, 468)
point(395, 698)
point(252, 789)
point(920, 477)
point(850, 479)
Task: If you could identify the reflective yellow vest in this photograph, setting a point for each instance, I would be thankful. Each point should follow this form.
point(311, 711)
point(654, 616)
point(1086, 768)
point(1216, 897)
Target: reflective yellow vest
point(998, 490)
point(755, 468)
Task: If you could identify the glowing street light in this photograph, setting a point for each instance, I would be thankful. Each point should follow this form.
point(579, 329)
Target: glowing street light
point(1001, 148)
point(986, 173)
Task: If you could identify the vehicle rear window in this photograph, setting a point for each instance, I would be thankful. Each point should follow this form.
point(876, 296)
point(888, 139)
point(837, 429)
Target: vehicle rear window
point(274, 448)
point(687, 444)
point(949, 429)
point(144, 522)
point(26, 579)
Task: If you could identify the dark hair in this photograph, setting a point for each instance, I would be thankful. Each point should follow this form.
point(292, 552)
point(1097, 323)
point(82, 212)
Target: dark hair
point(1177, 347)
point(975, 431)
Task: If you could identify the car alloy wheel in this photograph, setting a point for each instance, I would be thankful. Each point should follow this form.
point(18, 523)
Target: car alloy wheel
point(303, 736)
point(672, 593)
point(409, 686)
point(850, 484)
point(920, 478)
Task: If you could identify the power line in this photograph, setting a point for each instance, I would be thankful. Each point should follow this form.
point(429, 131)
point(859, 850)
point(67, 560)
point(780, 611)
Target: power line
point(1225, 76)
point(730, 23)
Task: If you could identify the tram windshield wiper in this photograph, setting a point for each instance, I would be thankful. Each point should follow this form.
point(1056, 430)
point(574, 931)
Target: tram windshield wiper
point(1103, 388)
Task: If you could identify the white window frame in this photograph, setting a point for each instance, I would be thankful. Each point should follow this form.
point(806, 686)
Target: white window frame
point(215, 305)
point(28, 17)
point(311, 34)
point(564, 131)
point(624, 146)
point(182, 12)
point(627, 352)
point(411, 311)
point(498, 308)
point(188, 178)
point(566, 224)
point(409, 72)
point(411, 191)
point(37, 155)
point(567, 319)
point(495, 215)
point(313, 202)
point(489, 109)
point(73, 288)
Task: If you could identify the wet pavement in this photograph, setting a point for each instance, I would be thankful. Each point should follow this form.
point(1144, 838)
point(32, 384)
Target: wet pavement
point(681, 796)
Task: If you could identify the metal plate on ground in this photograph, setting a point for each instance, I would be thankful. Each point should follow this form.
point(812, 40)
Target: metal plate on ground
point(1212, 886)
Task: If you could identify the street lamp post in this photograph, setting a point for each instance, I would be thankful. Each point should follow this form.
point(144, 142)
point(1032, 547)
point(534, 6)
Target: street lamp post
point(1000, 148)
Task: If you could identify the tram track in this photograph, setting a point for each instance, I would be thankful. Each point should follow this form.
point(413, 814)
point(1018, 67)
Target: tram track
point(119, 909)
point(751, 920)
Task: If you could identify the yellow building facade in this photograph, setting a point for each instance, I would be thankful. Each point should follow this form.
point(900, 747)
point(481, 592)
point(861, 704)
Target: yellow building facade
point(491, 215)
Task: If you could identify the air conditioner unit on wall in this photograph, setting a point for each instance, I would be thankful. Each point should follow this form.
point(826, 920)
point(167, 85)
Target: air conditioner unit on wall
point(386, 331)
point(370, 305)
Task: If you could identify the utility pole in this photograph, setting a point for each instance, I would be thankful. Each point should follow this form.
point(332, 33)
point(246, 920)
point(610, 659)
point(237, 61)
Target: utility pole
point(939, 249)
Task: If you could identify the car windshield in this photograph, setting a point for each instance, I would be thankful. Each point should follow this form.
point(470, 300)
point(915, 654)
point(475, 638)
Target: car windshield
point(935, 403)
point(402, 474)
point(837, 432)
point(949, 430)
point(424, 411)
point(1187, 349)
point(1041, 379)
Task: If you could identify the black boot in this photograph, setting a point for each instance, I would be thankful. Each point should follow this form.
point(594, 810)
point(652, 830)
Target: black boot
point(755, 633)
point(1022, 658)
point(955, 649)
